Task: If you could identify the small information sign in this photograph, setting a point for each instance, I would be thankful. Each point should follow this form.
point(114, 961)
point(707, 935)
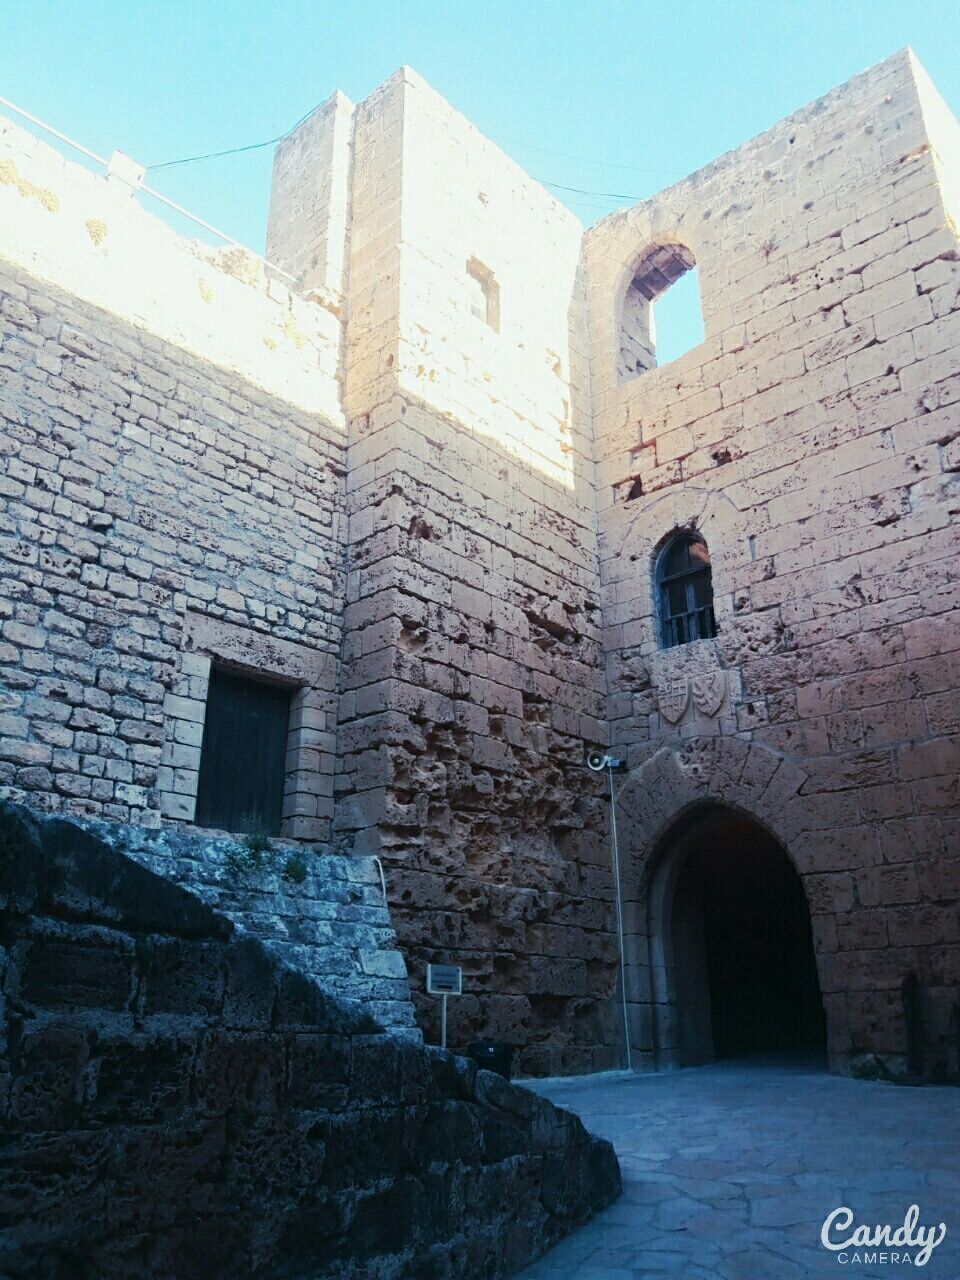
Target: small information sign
point(444, 980)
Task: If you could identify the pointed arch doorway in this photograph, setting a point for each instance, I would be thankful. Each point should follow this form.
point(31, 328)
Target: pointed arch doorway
point(733, 968)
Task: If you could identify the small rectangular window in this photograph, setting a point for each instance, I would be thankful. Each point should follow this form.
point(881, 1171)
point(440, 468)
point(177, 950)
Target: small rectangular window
point(483, 294)
point(243, 756)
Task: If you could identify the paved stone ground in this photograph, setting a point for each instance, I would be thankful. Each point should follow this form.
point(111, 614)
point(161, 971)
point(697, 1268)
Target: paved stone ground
point(729, 1171)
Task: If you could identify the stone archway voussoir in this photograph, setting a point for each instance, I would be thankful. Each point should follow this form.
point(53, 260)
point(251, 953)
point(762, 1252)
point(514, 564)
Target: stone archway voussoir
point(729, 771)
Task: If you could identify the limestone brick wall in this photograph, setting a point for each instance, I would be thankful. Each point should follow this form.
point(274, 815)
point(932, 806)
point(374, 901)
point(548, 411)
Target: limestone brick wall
point(422, 485)
point(471, 681)
point(512, 378)
point(95, 239)
point(310, 202)
point(943, 132)
point(172, 449)
point(811, 438)
point(330, 922)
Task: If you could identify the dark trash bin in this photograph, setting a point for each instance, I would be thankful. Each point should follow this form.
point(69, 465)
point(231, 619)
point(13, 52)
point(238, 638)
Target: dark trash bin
point(492, 1055)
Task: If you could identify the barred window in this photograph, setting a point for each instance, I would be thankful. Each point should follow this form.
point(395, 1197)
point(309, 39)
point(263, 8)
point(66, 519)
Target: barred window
point(685, 591)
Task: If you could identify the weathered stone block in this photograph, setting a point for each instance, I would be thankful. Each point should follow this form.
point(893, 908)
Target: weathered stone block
point(139, 1138)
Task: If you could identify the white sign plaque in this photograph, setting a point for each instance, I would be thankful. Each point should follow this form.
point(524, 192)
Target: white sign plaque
point(444, 980)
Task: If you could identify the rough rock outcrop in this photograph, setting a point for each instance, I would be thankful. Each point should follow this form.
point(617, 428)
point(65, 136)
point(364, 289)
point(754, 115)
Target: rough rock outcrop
point(178, 1101)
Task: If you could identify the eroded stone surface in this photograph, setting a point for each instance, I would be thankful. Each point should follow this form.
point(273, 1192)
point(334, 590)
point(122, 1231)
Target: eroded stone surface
point(332, 924)
point(177, 1100)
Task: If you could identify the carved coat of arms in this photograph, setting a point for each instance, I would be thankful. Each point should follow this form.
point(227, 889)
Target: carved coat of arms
point(673, 696)
point(707, 689)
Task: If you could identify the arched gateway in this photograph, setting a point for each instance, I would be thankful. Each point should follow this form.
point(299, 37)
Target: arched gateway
point(719, 952)
point(732, 965)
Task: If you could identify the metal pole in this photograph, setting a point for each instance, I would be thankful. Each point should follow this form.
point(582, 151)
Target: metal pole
point(443, 1022)
point(61, 137)
point(616, 880)
point(383, 880)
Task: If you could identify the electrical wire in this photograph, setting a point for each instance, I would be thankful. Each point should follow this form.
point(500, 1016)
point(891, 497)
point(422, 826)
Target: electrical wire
point(581, 191)
point(557, 186)
point(233, 151)
point(603, 164)
point(138, 186)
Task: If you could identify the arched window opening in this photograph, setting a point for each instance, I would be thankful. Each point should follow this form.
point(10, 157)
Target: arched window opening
point(685, 590)
point(661, 316)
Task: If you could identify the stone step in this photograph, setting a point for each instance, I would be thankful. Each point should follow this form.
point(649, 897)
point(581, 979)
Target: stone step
point(332, 925)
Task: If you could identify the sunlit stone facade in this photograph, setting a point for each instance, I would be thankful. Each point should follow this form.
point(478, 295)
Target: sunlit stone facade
point(423, 481)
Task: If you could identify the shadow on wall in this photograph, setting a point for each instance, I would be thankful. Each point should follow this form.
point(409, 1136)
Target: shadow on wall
point(180, 1102)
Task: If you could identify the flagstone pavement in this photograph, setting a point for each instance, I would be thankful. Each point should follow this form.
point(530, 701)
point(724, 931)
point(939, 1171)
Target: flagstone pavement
point(729, 1171)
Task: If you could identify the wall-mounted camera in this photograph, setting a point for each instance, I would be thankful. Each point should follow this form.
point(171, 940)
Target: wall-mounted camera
point(597, 761)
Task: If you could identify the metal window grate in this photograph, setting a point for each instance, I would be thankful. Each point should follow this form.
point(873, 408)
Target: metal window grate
point(685, 585)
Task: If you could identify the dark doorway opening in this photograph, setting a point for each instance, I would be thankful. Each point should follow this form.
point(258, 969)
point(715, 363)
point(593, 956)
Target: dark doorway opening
point(745, 974)
point(242, 757)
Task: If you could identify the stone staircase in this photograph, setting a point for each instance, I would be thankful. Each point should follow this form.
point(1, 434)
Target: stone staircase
point(333, 925)
point(164, 1069)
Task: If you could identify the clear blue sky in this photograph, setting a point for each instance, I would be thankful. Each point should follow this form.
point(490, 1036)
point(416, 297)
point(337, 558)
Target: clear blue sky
point(622, 87)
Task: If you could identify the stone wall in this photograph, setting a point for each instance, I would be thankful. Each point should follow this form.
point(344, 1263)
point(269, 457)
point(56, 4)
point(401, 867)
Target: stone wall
point(161, 509)
point(471, 683)
point(204, 518)
point(385, 488)
point(177, 1100)
point(812, 440)
point(324, 916)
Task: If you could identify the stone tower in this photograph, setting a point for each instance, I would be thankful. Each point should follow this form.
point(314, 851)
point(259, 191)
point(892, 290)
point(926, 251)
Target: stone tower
point(472, 676)
point(428, 479)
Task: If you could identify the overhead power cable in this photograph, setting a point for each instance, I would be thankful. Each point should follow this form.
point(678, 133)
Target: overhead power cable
point(583, 191)
point(602, 164)
point(580, 191)
point(233, 151)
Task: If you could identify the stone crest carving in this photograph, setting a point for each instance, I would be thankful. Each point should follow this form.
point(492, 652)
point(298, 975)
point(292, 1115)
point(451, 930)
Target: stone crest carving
point(673, 696)
point(707, 689)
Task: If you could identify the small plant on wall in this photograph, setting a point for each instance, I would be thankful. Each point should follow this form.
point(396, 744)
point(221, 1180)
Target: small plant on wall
point(253, 851)
point(295, 869)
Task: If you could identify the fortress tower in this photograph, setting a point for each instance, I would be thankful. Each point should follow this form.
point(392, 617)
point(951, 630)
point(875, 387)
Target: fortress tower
point(410, 528)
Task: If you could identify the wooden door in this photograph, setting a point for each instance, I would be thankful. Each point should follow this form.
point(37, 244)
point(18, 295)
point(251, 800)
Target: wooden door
point(242, 760)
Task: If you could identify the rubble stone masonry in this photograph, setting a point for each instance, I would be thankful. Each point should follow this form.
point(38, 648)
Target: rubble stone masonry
point(425, 486)
point(179, 1101)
